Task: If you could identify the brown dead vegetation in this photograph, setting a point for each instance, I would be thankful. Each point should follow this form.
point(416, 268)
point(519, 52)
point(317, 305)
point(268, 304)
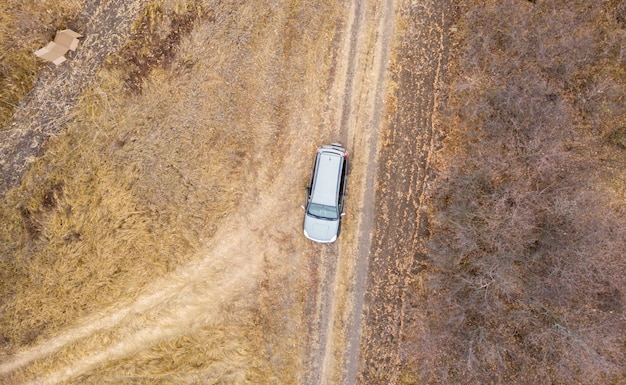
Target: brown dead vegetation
point(156, 34)
point(526, 281)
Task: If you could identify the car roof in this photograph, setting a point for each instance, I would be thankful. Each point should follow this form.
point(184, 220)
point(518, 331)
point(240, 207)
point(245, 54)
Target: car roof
point(327, 177)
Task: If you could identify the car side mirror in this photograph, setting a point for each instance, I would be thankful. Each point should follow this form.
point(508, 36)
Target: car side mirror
point(303, 208)
point(342, 214)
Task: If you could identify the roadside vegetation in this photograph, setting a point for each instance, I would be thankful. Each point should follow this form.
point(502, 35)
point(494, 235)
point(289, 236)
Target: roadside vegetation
point(175, 132)
point(526, 276)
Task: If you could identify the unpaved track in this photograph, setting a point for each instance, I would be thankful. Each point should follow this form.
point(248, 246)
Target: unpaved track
point(358, 95)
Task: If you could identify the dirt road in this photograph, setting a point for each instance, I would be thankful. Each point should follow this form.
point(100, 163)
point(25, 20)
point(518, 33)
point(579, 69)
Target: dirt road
point(358, 95)
point(363, 324)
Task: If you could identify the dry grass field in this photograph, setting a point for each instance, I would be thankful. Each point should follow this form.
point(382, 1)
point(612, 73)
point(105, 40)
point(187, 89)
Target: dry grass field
point(119, 262)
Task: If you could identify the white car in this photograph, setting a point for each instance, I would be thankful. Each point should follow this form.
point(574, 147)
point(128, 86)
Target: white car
point(325, 194)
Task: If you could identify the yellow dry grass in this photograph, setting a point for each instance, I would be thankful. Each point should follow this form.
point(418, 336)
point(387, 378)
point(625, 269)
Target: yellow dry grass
point(110, 266)
point(26, 26)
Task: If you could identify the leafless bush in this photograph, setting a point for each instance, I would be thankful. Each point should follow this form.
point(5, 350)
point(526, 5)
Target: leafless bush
point(527, 245)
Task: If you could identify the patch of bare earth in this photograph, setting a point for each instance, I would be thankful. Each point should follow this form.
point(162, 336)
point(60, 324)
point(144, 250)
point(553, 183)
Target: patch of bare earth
point(408, 143)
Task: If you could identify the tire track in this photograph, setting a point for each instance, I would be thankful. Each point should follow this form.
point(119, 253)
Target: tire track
point(359, 94)
point(317, 363)
point(370, 139)
point(178, 304)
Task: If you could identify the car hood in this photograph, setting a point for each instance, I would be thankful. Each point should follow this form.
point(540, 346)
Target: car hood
point(320, 230)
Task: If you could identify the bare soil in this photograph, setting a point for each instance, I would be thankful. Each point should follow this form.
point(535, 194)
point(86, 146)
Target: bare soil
point(405, 168)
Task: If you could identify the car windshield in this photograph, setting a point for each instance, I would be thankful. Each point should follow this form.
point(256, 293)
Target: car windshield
point(322, 211)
